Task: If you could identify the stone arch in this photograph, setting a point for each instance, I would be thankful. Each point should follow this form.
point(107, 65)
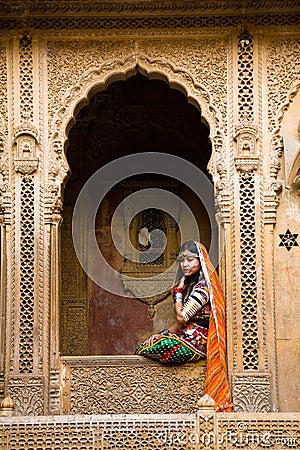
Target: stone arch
point(96, 79)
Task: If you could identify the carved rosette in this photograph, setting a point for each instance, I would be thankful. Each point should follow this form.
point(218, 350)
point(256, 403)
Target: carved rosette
point(25, 141)
point(251, 393)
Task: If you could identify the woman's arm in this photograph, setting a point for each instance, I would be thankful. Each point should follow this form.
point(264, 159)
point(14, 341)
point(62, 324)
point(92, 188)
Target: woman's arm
point(198, 298)
point(178, 303)
point(178, 308)
point(176, 326)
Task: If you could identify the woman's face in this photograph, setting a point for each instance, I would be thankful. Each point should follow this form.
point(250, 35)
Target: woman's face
point(189, 264)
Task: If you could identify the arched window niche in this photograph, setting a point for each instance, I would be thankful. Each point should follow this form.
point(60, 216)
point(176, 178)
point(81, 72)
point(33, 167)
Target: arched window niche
point(137, 115)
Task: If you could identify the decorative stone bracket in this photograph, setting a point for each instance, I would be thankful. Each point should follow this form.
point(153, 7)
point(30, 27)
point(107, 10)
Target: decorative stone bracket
point(246, 164)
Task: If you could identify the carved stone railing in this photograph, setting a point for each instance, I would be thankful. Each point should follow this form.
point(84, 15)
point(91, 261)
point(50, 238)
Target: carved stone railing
point(129, 385)
point(202, 430)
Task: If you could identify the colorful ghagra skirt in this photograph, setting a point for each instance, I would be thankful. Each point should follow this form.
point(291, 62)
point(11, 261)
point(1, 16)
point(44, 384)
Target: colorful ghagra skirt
point(189, 344)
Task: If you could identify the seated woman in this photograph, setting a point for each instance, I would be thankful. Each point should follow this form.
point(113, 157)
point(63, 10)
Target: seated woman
point(199, 331)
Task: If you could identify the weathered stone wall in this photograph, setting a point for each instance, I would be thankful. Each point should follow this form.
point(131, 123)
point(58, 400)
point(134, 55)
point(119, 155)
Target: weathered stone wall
point(287, 264)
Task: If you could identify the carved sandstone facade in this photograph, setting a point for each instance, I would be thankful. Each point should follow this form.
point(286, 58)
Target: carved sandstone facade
point(238, 64)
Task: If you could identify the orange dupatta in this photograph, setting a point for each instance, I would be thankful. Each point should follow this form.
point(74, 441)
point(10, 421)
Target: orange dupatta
point(216, 383)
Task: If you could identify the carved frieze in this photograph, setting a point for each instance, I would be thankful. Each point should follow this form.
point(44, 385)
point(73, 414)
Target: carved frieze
point(67, 63)
point(67, 92)
point(3, 88)
point(129, 14)
point(130, 384)
point(63, 78)
point(159, 8)
point(191, 56)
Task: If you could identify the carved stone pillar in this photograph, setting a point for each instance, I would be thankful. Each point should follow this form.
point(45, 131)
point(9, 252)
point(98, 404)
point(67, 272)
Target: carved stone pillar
point(25, 355)
point(26, 383)
point(251, 379)
point(53, 220)
point(57, 172)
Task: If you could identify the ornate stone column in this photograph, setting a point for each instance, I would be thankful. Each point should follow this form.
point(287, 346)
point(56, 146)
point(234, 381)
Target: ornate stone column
point(251, 377)
point(25, 365)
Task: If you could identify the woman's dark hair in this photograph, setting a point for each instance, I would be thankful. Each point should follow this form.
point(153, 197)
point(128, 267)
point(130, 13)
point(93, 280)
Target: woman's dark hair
point(189, 245)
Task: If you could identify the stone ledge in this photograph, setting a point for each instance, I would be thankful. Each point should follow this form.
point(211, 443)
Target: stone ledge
point(129, 384)
point(117, 360)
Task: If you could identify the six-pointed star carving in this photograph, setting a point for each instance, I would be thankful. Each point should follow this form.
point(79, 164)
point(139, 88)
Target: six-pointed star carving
point(288, 240)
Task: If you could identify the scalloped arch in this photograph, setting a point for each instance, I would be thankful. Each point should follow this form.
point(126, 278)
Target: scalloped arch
point(97, 79)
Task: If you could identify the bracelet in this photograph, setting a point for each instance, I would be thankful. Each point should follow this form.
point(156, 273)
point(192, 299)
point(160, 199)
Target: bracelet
point(178, 297)
point(165, 332)
point(178, 290)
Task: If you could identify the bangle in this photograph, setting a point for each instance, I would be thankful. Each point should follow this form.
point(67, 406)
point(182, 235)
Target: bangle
point(178, 290)
point(178, 297)
point(165, 332)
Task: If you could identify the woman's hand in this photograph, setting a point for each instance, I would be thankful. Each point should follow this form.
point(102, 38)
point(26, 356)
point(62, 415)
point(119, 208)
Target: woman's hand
point(180, 320)
point(151, 339)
